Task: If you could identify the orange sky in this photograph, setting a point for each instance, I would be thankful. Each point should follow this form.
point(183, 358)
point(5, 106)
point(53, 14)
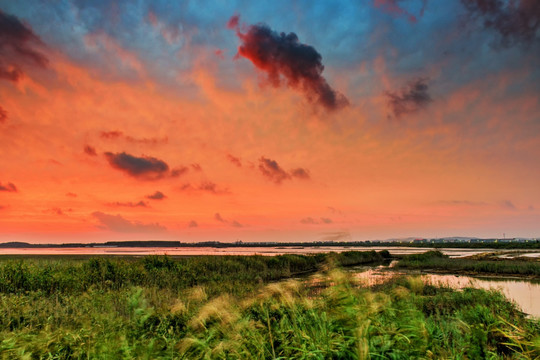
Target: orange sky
point(250, 161)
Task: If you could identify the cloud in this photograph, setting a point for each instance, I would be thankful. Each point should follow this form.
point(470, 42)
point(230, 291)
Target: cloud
point(90, 150)
point(57, 211)
point(111, 134)
point(308, 220)
point(16, 48)
point(410, 99)
point(116, 134)
point(461, 202)
point(271, 169)
point(282, 55)
point(233, 223)
point(218, 217)
point(129, 204)
point(179, 171)
point(275, 173)
point(193, 224)
point(337, 236)
point(233, 159)
point(311, 221)
point(205, 186)
point(9, 187)
point(300, 173)
point(3, 115)
point(196, 167)
point(70, 194)
point(158, 195)
point(392, 7)
point(516, 21)
point(507, 204)
point(118, 223)
point(144, 167)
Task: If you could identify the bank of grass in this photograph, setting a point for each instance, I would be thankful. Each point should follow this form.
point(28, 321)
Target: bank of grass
point(327, 315)
point(233, 274)
point(437, 261)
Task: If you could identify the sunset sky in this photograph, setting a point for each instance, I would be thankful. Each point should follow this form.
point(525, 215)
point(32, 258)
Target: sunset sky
point(268, 121)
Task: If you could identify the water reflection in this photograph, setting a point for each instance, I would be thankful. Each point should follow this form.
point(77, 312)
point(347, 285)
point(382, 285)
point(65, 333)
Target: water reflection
point(525, 293)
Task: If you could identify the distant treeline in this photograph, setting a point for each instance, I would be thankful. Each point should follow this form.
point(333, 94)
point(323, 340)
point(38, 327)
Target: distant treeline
point(476, 244)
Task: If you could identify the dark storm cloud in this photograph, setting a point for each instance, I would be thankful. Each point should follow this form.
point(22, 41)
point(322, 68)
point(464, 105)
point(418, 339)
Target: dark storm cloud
point(233, 159)
point(16, 48)
point(90, 150)
point(410, 99)
point(516, 21)
point(158, 195)
point(120, 224)
point(144, 167)
point(282, 55)
point(3, 115)
point(9, 187)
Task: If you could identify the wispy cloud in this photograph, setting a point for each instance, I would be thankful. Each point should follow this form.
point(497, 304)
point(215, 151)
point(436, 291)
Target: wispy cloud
point(409, 99)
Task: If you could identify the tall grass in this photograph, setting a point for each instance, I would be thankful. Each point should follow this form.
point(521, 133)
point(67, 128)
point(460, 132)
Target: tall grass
point(435, 260)
point(326, 316)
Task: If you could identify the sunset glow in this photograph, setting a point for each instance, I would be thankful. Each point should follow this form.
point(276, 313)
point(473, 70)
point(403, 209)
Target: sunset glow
point(289, 121)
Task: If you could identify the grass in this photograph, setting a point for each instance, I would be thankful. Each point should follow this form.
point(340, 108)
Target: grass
point(435, 260)
point(233, 308)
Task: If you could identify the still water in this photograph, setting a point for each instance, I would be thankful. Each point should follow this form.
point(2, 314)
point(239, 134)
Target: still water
point(266, 251)
point(525, 293)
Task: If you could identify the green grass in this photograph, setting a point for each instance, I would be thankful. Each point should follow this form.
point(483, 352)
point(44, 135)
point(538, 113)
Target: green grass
point(234, 309)
point(435, 260)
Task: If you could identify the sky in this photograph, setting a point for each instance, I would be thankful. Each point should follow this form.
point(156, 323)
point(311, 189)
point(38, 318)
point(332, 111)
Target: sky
point(268, 121)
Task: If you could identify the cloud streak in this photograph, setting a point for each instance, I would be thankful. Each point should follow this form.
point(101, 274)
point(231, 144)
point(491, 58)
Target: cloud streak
point(281, 55)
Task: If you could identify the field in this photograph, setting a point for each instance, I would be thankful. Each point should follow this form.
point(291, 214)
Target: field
point(246, 307)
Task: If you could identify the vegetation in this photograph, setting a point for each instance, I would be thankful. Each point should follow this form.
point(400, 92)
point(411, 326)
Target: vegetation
point(231, 308)
point(435, 260)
